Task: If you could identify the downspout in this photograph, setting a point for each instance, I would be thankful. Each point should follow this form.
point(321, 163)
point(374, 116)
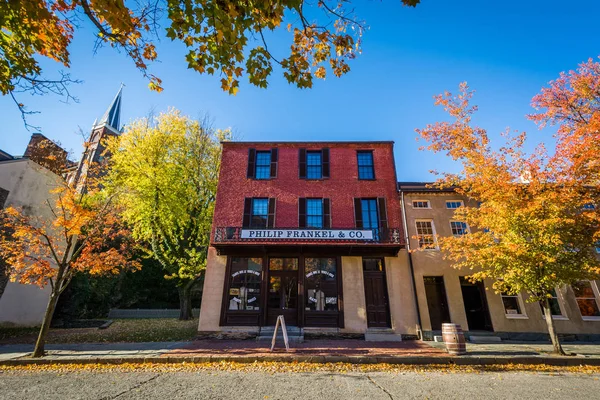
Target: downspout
point(410, 265)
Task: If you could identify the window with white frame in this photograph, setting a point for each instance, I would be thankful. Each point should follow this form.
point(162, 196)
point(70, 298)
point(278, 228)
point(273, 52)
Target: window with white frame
point(454, 204)
point(426, 234)
point(513, 308)
point(421, 204)
point(554, 302)
point(459, 228)
point(587, 299)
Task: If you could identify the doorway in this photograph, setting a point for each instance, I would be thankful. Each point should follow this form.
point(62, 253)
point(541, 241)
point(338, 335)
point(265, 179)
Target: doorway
point(376, 296)
point(282, 296)
point(476, 308)
point(437, 302)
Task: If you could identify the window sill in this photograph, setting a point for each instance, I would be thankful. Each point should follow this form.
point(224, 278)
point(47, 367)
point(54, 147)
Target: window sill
point(591, 318)
point(516, 316)
point(558, 318)
point(367, 179)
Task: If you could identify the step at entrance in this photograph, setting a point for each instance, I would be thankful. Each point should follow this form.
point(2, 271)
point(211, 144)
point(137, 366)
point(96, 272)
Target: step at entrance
point(382, 335)
point(295, 334)
point(487, 339)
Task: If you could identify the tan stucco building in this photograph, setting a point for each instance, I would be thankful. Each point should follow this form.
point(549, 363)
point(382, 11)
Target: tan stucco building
point(26, 185)
point(444, 295)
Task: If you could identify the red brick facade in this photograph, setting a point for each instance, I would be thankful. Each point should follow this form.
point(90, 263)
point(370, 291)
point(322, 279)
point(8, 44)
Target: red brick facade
point(341, 187)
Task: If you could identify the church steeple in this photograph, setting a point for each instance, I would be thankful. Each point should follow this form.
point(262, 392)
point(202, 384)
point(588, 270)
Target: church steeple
point(112, 117)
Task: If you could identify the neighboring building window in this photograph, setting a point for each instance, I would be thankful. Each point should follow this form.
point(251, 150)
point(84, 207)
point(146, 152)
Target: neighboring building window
point(598, 247)
point(589, 206)
point(454, 204)
point(426, 234)
point(314, 167)
point(313, 164)
point(421, 204)
point(262, 164)
point(512, 305)
point(259, 213)
point(365, 165)
point(586, 299)
point(321, 284)
point(555, 309)
point(459, 228)
point(314, 213)
point(244, 284)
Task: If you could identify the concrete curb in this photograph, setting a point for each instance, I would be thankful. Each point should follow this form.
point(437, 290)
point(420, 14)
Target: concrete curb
point(410, 360)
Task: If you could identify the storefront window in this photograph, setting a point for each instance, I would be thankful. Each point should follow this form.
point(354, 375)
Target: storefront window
point(244, 284)
point(321, 284)
point(283, 264)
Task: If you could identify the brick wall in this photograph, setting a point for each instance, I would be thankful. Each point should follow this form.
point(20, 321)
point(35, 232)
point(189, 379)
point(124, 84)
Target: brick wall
point(342, 186)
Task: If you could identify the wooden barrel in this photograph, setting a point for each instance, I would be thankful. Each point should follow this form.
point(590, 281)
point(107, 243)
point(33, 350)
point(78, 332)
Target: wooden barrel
point(454, 338)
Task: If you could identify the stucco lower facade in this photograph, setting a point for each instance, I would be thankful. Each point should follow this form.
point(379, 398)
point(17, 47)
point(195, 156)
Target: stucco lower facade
point(352, 316)
point(444, 295)
point(28, 185)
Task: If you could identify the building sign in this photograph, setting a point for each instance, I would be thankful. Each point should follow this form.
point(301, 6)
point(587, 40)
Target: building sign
point(314, 234)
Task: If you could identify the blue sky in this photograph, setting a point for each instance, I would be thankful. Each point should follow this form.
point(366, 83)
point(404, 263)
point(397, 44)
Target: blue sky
point(506, 51)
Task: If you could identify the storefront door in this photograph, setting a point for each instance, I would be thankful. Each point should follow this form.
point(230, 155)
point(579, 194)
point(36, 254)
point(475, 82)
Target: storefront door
point(378, 314)
point(282, 295)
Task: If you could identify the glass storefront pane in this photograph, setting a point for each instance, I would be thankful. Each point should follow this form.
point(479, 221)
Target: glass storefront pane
point(283, 292)
point(283, 264)
point(244, 284)
point(321, 284)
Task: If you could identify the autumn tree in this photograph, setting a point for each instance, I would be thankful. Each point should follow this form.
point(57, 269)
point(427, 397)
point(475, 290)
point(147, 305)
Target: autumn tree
point(84, 235)
point(165, 170)
point(533, 230)
point(226, 38)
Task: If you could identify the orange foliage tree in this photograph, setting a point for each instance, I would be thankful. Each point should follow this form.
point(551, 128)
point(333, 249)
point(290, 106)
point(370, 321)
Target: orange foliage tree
point(534, 229)
point(84, 235)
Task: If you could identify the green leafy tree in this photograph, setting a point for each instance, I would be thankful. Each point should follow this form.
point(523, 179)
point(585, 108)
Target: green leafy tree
point(164, 171)
point(532, 231)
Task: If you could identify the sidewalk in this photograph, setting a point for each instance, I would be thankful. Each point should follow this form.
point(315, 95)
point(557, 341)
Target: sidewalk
point(319, 351)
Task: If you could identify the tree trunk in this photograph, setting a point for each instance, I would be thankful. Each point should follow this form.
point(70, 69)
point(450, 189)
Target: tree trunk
point(551, 330)
point(185, 302)
point(41, 340)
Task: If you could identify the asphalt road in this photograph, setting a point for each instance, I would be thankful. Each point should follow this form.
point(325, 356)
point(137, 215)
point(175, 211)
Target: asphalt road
point(314, 385)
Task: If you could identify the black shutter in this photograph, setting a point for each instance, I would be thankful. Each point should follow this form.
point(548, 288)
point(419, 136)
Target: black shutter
point(326, 213)
point(247, 213)
point(302, 164)
point(271, 216)
point(325, 159)
point(251, 163)
point(302, 212)
point(383, 220)
point(358, 214)
point(273, 163)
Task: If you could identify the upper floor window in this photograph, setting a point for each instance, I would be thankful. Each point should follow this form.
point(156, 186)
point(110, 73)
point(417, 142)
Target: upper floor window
point(314, 213)
point(589, 206)
point(262, 164)
point(366, 169)
point(371, 214)
point(426, 234)
point(421, 204)
point(259, 213)
point(587, 299)
point(459, 228)
point(313, 164)
point(454, 204)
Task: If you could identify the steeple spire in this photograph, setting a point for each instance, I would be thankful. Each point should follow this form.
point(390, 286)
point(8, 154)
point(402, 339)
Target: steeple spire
point(112, 117)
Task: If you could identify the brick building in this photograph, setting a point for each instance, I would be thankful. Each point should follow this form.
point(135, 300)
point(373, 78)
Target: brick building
point(311, 231)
